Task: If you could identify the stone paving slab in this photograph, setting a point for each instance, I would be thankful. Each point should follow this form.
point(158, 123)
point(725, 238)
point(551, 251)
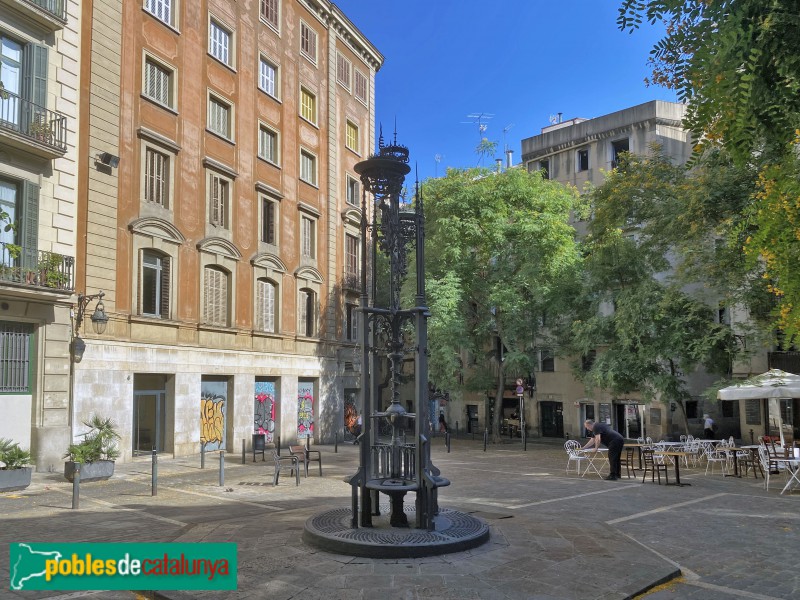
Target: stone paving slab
point(554, 535)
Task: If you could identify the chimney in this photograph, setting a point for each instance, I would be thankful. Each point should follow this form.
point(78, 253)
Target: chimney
point(509, 159)
point(499, 162)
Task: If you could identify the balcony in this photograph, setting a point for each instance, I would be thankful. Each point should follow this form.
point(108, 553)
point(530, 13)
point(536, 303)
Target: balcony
point(27, 126)
point(51, 14)
point(351, 282)
point(36, 268)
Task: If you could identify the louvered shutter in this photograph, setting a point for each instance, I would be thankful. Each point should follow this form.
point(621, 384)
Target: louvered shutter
point(165, 281)
point(29, 225)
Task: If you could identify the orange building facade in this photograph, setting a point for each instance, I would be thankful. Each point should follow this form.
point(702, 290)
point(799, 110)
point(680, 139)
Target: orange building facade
point(219, 214)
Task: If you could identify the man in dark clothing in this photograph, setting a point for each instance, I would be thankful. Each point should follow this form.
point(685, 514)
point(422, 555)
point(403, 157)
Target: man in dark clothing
point(603, 434)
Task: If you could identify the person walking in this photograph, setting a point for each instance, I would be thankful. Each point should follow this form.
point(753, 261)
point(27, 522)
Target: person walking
point(442, 423)
point(603, 434)
point(708, 427)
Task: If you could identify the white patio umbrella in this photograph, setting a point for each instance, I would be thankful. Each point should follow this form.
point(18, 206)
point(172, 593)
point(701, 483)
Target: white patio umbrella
point(772, 385)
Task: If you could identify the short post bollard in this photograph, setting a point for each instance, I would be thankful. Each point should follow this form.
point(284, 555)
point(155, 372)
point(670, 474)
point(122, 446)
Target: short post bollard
point(447, 440)
point(751, 437)
point(456, 428)
point(221, 468)
point(76, 486)
point(244, 446)
point(336, 442)
point(154, 475)
point(278, 444)
point(485, 438)
point(524, 440)
point(202, 455)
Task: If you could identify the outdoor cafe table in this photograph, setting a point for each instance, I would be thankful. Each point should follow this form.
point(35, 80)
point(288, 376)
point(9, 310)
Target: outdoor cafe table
point(678, 454)
point(793, 468)
point(732, 450)
point(593, 455)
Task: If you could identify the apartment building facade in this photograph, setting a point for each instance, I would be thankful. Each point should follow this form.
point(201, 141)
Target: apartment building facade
point(39, 91)
point(221, 219)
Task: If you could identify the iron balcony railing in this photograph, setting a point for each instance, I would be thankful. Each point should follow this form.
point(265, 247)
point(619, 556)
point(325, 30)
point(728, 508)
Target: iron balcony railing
point(57, 8)
point(36, 268)
point(351, 281)
point(32, 121)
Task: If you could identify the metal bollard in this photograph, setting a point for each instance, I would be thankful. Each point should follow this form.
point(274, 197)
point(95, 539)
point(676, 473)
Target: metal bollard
point(76, 486)
point(456, 429)
point(221, 468)
point(202, 455)
point(244, 445)
point(751, 437)
point(336, 442)
point(154, 475)
point(447, 440)
point(524, 440)
point(278, 444)
point(485, 438)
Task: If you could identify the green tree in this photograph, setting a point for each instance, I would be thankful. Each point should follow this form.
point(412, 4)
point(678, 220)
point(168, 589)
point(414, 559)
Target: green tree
point(499, 252)
point(737, 65)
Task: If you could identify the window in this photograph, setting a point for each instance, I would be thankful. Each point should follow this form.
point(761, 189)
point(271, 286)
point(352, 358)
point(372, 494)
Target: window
point(351, 138)
point(587, 360)
point(23, 73)
point(351, 247)
point(269, 220)
point(266, 305)
point(220, 43)
point(20, 199)
point(269, 12)
point(163, 10)
point(582, 159)
point(308, 42)
point(308, 167)
point(544, 167)
point(215, 297)
point(547, 360)
point(306, 309)
point(353, 194)
point(617, 148)
point(268, 144)
point(219, 195)
point(691, 409)
point(16, 348)
point(219, 117)
point(361, 86)
point(158, 82)
point(343, 71)
point(308, 237)
point(308, 106)
point(351, 322)
point(155, 284)
point(156, 177)
point(267, 77)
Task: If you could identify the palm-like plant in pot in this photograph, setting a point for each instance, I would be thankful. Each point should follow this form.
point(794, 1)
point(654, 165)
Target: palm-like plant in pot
point(95, 453)
point(15, 466)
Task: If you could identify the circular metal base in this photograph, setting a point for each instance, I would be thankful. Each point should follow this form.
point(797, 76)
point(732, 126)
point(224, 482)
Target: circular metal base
point(455, 531)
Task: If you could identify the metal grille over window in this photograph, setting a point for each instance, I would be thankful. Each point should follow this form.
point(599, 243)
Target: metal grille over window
point(15, 357)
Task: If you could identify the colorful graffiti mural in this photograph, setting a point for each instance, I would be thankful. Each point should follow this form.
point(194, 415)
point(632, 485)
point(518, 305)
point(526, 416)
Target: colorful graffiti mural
point(213, 400)
point(305, 409)
point(350, 412)
point(264, 409)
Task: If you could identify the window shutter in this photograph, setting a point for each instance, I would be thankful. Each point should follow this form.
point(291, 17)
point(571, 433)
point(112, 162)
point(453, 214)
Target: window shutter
point(260, 305)
point(270, 222)
point(165, 271)
point(29, 225)
point(35, 74)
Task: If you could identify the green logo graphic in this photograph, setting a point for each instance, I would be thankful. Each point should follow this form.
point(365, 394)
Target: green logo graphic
point(122, 566)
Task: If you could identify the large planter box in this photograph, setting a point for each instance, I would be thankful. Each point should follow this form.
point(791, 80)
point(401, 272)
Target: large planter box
point(93, 471)
point(15, 479)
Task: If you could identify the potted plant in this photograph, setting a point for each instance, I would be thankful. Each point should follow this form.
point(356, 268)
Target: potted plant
point(95, 453)
point(51, 273)
point(15, 466)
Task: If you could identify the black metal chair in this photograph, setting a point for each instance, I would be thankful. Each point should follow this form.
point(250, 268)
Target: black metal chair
point(629, 462)
point(259, 445)
point(307, 456)
point(286, 462)
point(653, 466)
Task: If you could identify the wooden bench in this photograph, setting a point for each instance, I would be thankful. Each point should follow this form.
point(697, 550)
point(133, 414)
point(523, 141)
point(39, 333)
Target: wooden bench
point(290, 462)
point(307, 456)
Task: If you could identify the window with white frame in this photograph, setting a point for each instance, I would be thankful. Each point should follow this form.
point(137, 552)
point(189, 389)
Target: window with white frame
point(220, 117)
point(268, 77)
point(306, 312)
point(219, 200)
point(308, 42)
point(351, 322)
point(157, 84)
point(351, 251)
point(270, 12)
point(308, 167)
point(343, 69)
point(156, 177)
point(351, 138)
point(266, 305)
point(308, 237)
point(215, 296)
point(353, 191)
point(220, 42)
point(308, 106)
point(163, 10)
point(268, 144)
point(269, 220)
point(361, 86)
point(155, 280)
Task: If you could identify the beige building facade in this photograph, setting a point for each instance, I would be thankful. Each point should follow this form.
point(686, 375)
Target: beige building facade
point(220, 219)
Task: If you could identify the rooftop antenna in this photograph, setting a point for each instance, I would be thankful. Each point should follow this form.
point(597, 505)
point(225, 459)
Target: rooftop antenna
point(506, 129)
point(479, 119)
point(438, 159)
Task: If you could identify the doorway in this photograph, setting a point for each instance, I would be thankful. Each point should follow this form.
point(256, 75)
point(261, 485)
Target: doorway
point(629, 420)
point(552, 419)
point(149, 420)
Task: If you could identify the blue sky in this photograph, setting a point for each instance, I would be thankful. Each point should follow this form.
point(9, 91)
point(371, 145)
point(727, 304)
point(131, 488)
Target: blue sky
point(520, 61)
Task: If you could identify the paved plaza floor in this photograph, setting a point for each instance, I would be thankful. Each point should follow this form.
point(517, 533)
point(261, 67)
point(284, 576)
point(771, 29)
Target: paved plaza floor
point(553, 535)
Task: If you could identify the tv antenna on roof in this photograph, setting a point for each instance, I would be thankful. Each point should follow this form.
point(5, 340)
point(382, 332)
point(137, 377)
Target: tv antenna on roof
point(479, 119)
point(506, 129)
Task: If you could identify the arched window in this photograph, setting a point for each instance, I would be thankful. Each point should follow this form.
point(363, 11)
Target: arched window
point(266, 305)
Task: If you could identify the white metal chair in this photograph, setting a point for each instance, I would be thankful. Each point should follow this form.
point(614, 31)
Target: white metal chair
point(574, 454)
point(716, 456)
